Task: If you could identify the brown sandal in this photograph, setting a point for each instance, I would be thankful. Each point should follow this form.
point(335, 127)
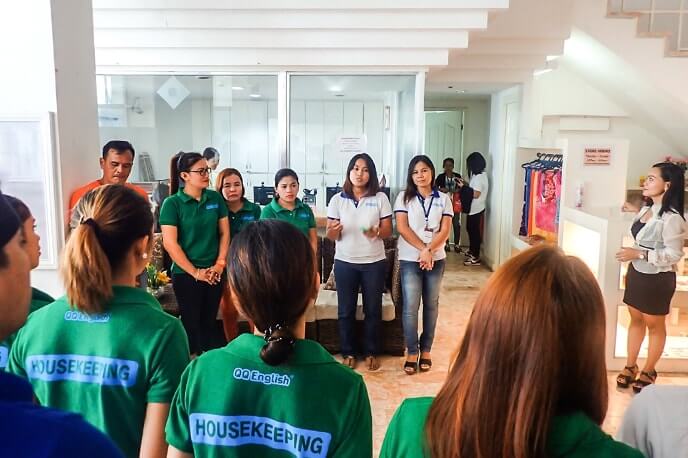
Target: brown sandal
point(639, 383)
point(627, 375)
point(349, 361)
point(372, 363)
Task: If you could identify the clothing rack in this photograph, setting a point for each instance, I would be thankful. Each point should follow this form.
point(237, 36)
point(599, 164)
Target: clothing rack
point(542, 196)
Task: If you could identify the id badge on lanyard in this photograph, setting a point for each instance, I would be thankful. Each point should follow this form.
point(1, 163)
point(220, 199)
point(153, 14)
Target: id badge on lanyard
point(428, 232)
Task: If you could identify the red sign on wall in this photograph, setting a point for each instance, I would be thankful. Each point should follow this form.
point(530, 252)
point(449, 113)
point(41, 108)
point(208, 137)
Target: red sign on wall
point(597, 156)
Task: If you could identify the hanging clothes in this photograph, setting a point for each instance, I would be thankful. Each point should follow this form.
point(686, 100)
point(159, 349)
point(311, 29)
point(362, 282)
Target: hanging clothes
point(541, 197)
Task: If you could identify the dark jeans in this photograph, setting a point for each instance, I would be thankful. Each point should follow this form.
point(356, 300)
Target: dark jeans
point(456, 225)
point(416, 284)
point(474, 227)
point(198, 304)
point(370, 278)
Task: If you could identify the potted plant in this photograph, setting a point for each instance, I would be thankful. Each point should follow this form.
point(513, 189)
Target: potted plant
point(157, 279)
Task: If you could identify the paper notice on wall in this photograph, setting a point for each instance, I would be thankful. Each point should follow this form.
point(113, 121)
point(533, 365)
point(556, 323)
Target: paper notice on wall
point(597, 156)
point(351, 144)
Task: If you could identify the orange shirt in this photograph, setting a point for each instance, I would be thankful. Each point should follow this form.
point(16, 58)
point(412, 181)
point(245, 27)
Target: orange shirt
point(79, 193)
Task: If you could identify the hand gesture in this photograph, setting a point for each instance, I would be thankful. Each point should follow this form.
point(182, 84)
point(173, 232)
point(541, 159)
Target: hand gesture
point(334, 229)
point(628, 254)
point(372, 232)
point(425, 259)
point(628, 207)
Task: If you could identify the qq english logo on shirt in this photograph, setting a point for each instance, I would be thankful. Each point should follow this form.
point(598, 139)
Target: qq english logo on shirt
point(252, 375)
point(234, 431)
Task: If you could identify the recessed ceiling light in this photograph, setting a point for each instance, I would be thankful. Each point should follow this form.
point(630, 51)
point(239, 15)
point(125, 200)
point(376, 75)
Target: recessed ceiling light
point(254, 96)
point(460, 91)
point(551, 58)
point(202, 77)
point(237, 88)
point(335, 89)
point(339, 95)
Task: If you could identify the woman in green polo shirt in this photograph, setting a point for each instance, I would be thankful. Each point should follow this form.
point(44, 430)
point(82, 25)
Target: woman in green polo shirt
point(529, 379)
point(33, 250)
point(106, 350)
point(287, 207)
point(242, 211)
point(195, 233)
point(279, 395)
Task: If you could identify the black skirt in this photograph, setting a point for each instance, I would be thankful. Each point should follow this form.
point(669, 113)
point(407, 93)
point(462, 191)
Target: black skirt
point(649, 293)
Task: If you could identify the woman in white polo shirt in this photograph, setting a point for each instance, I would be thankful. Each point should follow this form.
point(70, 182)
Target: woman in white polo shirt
point(424, 218)
point(475, 164)
point(358, 219)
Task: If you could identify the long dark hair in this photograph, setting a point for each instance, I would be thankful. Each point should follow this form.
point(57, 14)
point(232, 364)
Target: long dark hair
point(283, 173)
point(181, 162)
point(373, 185)
point(19, 207)
point(411, 188)
point(224, 174)
point(475, 164)
point(673, 200)
point(113, 217)
point(272, 297)
point(539, 323)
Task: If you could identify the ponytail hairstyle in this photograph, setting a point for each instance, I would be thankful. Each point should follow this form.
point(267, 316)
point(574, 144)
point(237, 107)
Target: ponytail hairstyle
point(181, 162)
point(272, 297)
point(113, 218)
point(673, 199)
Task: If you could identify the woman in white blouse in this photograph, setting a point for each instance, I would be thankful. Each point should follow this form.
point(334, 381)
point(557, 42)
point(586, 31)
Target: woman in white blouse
point(659, 230)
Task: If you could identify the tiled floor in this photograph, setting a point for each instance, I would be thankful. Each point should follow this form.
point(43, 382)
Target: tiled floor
point(388, 386)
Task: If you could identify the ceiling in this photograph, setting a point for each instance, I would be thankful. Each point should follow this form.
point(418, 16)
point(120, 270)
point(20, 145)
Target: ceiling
point(478, 46)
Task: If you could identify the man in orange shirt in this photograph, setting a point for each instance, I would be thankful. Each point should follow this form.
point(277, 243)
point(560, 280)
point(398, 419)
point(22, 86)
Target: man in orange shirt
point(116, 163)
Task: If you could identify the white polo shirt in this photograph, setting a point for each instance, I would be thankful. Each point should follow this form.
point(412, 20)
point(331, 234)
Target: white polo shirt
point(355, 217)
point(479, 183)
point(417, 209)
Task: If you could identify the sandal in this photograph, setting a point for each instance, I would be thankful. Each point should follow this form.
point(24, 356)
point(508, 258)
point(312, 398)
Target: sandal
point(624, 379)
point(639, 383)
point(425, 364)
point(349, 361)
point(411, 367)
point(372, 363)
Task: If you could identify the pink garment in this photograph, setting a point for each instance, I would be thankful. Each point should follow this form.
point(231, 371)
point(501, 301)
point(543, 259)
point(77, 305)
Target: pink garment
point(547, 195)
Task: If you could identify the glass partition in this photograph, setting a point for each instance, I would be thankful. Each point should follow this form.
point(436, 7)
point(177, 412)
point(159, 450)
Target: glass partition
point(332, 117)
point(161, 115)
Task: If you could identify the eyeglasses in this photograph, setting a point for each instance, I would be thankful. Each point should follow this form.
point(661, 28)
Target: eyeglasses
point(202, 172)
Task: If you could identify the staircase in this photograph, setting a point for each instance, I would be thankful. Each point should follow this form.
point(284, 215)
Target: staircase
point(667, 19)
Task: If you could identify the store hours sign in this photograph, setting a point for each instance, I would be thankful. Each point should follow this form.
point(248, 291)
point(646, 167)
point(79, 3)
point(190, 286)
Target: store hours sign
point(597, 156)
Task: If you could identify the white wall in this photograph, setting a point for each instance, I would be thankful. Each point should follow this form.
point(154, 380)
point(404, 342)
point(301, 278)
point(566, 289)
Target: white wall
point(500, 169)
point(49, 66)
point(645, 147)
point(563, 92)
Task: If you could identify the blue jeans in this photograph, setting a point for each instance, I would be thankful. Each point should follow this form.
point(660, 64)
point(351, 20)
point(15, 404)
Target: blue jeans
point(370, 278)
point(417, 283)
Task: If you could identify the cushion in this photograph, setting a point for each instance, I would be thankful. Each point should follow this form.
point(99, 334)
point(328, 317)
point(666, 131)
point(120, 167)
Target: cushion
point(326, 306)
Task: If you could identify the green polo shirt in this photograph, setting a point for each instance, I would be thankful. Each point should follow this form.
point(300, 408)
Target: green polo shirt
point(105, 366)
point(39, 299)
point(231, 404)
point(571, 436)
point(248, 213)
point(196, 222)
point(301, 216)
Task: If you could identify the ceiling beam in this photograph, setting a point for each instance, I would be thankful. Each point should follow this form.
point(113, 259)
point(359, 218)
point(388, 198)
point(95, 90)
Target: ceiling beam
point(485, 76)
point(299, 19)
point(154, 57)
point(522, 46)
point(507, 61)
point(188, 38)
point(300, 4)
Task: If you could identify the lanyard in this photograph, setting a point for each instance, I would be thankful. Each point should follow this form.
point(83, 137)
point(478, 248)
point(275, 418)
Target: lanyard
point(426, 213)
